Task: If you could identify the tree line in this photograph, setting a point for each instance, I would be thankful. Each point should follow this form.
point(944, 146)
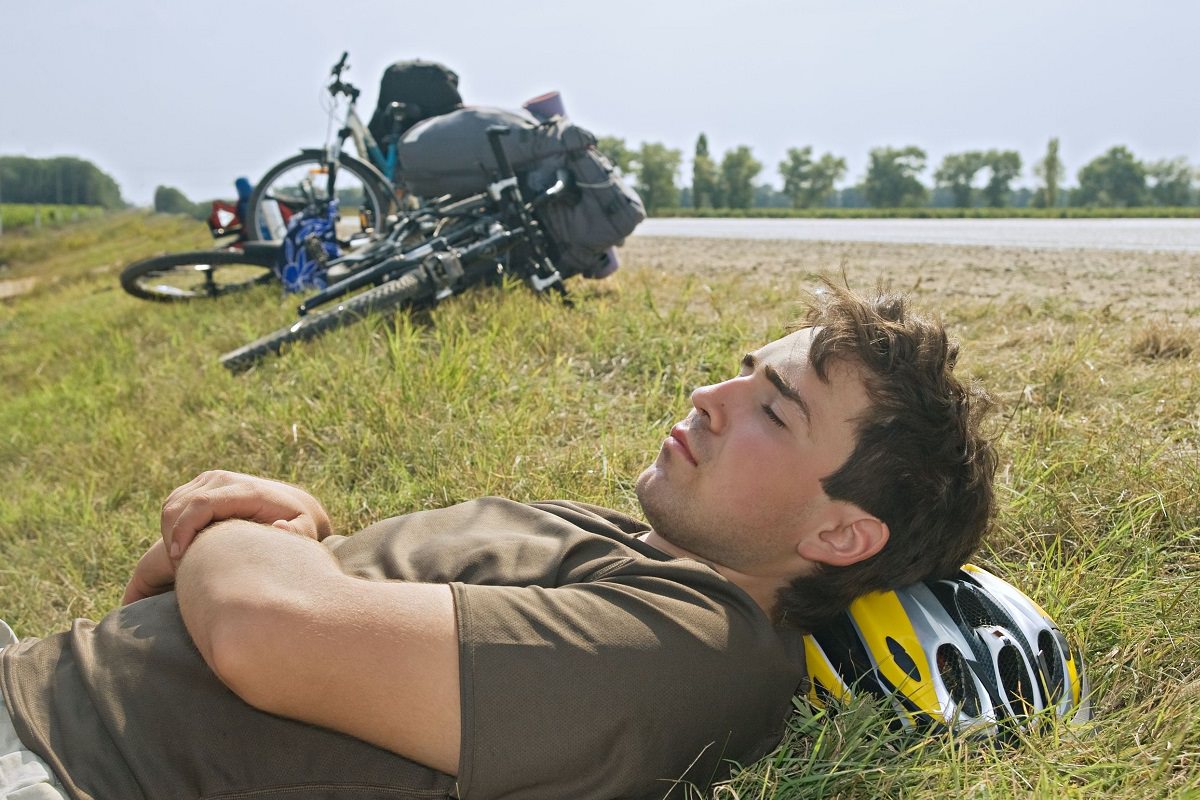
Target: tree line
point(67, 180)
point(1115, 179)
point(60, 181)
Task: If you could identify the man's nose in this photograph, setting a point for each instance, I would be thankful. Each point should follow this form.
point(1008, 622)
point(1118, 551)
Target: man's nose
point(713, 402)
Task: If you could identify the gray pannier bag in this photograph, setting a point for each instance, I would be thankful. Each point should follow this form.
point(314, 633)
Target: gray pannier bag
point(450, 155)
point(597, 217)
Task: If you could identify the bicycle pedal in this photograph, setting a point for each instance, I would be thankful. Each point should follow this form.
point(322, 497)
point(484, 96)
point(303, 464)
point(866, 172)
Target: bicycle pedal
point(443, 268)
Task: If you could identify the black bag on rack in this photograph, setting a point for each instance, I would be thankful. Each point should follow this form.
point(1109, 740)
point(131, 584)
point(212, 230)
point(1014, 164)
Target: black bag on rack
point(426, 88)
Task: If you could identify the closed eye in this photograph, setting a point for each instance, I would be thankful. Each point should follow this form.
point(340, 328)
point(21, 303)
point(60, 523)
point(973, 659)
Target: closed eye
point(773, 416)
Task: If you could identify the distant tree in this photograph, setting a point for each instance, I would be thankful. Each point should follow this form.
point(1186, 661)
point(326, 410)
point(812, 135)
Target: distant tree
point(738, 171)
point(169, 200)
point(617, 152)
point(63, 180)
point(1171, 182)
point(807, 182)
point(1049, 169)
point(1022, 197)
point(1005, 166)
point(1114, 180)
point(704, 176)
point(957, 172)
point(891, 180)
point(852, 197)
point(767, 196)
point(656, 166)
point(942, 197)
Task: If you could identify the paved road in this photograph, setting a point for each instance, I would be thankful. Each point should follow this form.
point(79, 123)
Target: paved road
point(1100, 234)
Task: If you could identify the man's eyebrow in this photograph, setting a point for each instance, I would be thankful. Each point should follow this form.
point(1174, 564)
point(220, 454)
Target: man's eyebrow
point(749, 361)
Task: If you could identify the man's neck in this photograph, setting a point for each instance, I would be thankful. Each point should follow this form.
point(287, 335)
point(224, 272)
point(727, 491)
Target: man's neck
point(762, 590)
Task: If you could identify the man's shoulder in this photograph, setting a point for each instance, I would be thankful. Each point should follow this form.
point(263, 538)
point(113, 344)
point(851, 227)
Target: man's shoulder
point(588, 515)
point(498, 513)
point(493, 540)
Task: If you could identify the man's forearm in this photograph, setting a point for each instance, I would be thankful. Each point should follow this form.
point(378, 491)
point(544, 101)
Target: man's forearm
point(287, 631)
point(234, 582)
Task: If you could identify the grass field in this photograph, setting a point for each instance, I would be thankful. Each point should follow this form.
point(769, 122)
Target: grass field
point(107, 403)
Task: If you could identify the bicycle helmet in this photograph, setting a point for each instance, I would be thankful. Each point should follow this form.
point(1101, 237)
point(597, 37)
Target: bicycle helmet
point(972, 653)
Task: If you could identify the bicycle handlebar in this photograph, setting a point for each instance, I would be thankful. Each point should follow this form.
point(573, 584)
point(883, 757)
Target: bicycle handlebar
point(340, 65)
point(338, 86)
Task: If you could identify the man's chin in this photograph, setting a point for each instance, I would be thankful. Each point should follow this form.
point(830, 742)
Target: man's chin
point(639, 485)
point(644, 488)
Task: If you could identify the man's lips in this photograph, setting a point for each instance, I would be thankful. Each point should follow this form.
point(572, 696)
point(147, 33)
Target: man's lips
point(679, 438)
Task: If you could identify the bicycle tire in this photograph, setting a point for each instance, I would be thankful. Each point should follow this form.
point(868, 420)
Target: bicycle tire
point(410, 289)
point(367, 192)
point(199, 274)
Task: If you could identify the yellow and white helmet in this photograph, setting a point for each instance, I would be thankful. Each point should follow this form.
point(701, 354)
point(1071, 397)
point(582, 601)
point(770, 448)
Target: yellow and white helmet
point(971, 652)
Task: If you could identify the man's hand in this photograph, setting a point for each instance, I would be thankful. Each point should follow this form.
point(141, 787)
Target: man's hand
point(154, 574)
point(219, 495)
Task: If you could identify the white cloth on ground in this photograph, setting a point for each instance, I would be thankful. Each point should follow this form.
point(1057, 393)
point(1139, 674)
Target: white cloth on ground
point(23, 776)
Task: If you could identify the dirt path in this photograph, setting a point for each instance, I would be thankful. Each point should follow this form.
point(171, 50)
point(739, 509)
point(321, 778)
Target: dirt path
point(1162, 284)
point(16, 288)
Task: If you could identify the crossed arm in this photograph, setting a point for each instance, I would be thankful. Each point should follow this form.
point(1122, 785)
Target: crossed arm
point(286, 630)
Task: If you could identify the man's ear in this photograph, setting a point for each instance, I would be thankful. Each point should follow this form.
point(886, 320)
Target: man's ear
point(847, 542)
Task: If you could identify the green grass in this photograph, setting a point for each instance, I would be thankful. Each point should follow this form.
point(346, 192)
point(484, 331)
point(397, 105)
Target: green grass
point(107, 403)
point(18, 216)
point(935, 213)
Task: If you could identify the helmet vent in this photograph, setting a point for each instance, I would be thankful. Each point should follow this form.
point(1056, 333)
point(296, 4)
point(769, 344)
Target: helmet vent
point(903, 660)
point(1015, 681)
point(957, 679)
point(1052, 657)
point(970, 605)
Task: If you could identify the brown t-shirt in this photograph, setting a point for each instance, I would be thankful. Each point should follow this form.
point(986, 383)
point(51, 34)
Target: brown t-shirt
point(592, 666)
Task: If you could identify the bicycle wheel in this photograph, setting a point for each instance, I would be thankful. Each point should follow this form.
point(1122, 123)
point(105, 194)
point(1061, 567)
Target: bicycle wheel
point(363, 194)
point(409, 290)
point(202, 273)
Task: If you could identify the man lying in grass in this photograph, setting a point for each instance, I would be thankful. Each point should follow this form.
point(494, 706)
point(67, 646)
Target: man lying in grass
point(552, 650)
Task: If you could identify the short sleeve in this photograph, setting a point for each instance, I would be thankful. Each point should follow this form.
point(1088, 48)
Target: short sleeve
point(616, 687)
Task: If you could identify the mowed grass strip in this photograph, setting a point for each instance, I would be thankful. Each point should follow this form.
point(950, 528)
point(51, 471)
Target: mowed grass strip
point(107, 403)
point(17, 216)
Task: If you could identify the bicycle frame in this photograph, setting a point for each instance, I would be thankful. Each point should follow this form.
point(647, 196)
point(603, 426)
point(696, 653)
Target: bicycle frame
point(490, 235)
point(353, 128)
point(366, 146)
point(501, 212)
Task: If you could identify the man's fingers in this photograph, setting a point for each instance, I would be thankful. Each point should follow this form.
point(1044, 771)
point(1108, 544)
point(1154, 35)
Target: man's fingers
point(195, 512)
point(182, 499)
point(207, 506)
point(131, 594)
point(154, 574)
point(188, 517)
point(218, 495)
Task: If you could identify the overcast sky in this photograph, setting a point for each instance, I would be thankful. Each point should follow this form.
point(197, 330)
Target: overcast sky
point(194, 94)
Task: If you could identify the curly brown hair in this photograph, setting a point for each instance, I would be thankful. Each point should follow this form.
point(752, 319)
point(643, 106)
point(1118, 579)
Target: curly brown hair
point(920, 464)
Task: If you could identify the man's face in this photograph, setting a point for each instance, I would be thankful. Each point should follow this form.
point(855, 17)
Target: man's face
point(738, 482)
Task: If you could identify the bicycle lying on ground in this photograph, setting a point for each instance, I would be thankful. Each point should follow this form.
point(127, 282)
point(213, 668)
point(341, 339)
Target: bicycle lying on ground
point(235, 264)
point(481, 228)
point(459, 244)
point(202, 273)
